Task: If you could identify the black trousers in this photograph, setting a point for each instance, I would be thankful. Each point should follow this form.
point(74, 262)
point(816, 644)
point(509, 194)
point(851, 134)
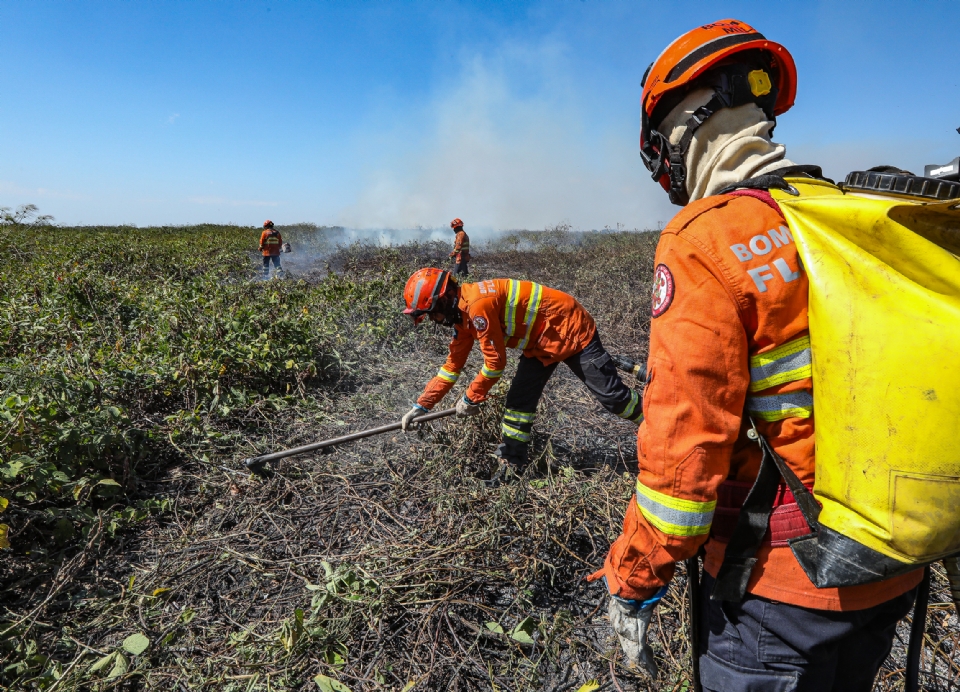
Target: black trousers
point(761, 645)
point(460, 268)
point(267, 259)
point(595, 369)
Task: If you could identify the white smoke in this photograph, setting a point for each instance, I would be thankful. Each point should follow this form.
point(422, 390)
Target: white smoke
point(311, 246)
point(508, 147)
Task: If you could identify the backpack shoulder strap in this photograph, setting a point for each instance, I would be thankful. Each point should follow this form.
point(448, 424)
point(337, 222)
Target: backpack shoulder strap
point(776, 180)
point(740, 556)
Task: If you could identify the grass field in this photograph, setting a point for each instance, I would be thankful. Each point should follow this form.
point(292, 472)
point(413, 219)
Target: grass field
point(140, 366)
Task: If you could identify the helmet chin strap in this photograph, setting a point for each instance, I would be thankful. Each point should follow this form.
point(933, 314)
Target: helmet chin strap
point(451, 318)
point(732, 90)
point(676, 155)
point(449, 308)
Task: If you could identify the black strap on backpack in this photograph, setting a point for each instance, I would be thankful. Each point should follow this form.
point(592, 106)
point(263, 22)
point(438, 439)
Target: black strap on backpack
point(738, 561)
point(774, 180)
point(695, 613)
point(917, 629)
point(754, 519)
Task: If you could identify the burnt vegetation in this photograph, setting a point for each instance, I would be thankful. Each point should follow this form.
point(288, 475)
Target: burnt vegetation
point(140, 366)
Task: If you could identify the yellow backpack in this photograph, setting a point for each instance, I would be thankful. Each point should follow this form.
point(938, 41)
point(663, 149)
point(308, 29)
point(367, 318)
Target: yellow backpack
point(885, 339)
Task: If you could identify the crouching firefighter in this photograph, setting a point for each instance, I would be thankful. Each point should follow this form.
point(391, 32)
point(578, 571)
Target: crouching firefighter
point(729, 394)
point(546, 325)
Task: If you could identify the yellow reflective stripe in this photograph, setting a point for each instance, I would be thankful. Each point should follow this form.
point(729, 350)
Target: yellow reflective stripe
point(631, 407)
point(490, 374)
point(786, 363)
point(510, 309)
point(533, 307)
point(447, 375)
point(674, 516)
point(779, 352)
point(781, 406)
point(514, 433)
point(518, 416)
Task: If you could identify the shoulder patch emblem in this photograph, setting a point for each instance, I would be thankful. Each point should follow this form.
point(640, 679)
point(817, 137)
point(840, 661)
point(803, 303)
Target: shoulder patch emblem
point(480, 323)
point(663, 288)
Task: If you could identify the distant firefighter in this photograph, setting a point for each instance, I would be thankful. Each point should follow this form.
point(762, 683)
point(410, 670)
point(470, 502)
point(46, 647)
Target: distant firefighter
point(461, 248)
point(270, 245)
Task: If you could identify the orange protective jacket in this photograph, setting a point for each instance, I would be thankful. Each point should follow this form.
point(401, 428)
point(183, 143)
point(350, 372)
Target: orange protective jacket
point(728, 337)
point(461, 247)
point(270, 242)
point(502, 313)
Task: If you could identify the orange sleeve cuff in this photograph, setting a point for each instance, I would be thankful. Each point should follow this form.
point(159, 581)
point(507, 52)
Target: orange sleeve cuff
point(479, 389)
point(434, 392)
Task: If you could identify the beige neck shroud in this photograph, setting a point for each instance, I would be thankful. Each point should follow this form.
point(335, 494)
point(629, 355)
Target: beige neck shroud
point(732, 145)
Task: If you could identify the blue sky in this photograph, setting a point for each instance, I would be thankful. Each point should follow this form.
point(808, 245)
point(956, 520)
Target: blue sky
point(373, 115)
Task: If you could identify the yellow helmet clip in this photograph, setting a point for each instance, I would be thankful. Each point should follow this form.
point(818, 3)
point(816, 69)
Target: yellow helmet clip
point(759, 83)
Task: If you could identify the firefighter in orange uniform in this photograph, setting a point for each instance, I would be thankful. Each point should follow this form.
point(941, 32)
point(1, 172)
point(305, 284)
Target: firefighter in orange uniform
point(461, 248)
point(729, 347)
point(270, 245)
point(546, 325)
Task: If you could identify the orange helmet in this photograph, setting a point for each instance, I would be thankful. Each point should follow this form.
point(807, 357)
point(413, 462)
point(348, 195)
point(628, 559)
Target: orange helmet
point(456, 223)
point(753, 70)
point(268, 224)
point(423, 289)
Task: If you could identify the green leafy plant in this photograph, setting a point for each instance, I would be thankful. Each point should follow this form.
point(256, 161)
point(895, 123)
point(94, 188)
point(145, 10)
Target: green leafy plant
point(124, 350)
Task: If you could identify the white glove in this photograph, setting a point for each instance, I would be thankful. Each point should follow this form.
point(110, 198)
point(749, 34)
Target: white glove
point(631, 621)
point(415, 412)
point(465, 407)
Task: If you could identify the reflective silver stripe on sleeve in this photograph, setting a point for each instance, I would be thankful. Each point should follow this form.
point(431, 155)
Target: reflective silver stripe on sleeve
point(674, 516)
point(490, 374)
point(787, 363)
point(447, 375)
point(781, 406)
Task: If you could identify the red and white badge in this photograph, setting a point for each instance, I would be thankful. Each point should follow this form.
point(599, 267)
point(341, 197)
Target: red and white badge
point(480, 323)
point(663, 288)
